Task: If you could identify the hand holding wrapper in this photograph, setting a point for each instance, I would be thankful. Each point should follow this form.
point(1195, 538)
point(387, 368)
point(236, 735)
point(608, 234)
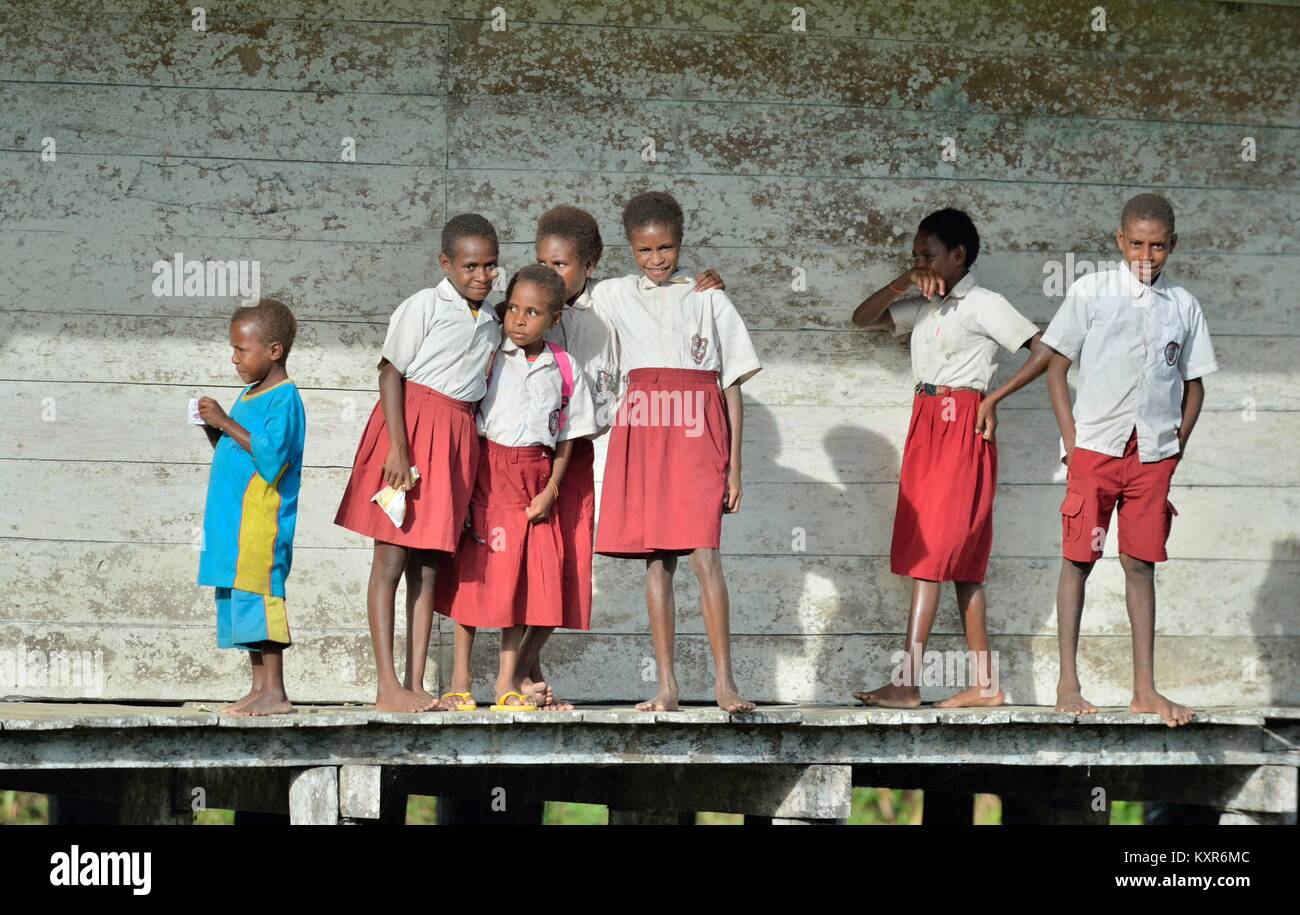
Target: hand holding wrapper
point(393, 501)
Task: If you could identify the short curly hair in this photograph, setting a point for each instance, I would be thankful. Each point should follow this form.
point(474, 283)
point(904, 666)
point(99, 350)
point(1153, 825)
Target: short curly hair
point(653, 208)
point(575, 226)
point(466, 225)
point(1148, 206)
point(273, 320)
point(543, 276)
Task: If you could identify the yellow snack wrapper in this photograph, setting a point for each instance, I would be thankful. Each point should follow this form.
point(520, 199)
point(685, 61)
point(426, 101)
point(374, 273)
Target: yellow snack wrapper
point(393, 501)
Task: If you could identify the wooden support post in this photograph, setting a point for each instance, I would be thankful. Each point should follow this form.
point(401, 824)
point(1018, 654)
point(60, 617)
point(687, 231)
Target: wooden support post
point(314, 797)
point(146, 799)
point(360, 794)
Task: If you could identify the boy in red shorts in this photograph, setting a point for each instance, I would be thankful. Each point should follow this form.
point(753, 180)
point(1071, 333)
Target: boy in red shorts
point(1142, 346)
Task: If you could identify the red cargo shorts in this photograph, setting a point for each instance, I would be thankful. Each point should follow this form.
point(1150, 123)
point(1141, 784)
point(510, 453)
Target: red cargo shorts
point(1096, 484)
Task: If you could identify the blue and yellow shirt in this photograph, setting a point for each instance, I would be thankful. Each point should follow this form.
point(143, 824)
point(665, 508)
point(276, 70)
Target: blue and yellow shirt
point(252, 504)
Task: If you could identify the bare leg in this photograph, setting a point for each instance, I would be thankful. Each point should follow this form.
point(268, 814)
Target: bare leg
point(1140, 596)
point(462, 677)
point(257, 670)
point(530, 662)
point(1069, 614)
point(385, 571)
point(272, 700)
point(663, 619)
point(716, 605)
point(420, 568)
point(904, 691)
point(972, 603)
point(509, 676)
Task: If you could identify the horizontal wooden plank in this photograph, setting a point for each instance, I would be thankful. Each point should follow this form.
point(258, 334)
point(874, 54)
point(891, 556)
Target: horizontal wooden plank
point(1132, 26)
point(792, 669)
point(153, 46)
point(163, 503)
point(182, 663)
point(88, 584)
point(813, 368)
point(1241, 30)
point(50, 421)
point(730, 138)
point(1247, 295)
point(217, 198)
point(179, 663)
point(742, 211)
point(834, 70)
point(223, 123)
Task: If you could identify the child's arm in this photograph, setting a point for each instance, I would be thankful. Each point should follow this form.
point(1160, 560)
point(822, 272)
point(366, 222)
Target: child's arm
point(220, 421)
point(540, 508)
point(397, 466)
point(213, 434)
point(1040, 355)
point(735, 419)
point(874, 310)
point(1059, 389)
point(1193, 397)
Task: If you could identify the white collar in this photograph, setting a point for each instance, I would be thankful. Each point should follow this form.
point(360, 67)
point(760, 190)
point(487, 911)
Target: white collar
point(584, 298)
point(447, 292)
point(1137, 289)
point(645, 284)
point(510, 348)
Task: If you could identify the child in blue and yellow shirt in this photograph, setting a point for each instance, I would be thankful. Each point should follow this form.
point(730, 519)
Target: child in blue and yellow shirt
point(252, 504)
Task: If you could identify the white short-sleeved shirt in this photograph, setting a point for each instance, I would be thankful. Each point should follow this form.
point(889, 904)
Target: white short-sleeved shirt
point(591, 341)
point(669, 325)
point(1135, 345)
point(434, 339)
point(522, 404)
point(955, 339)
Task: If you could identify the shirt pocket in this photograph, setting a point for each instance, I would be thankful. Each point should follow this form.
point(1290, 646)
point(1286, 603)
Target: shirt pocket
point(1071, 517)
point(1171, 337)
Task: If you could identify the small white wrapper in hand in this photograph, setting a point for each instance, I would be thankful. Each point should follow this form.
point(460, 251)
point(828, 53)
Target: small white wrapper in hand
point(393, 501)
point(195, 419)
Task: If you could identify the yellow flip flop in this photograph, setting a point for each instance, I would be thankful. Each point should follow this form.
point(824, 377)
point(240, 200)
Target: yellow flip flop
point(464, 702)
point(525, 704)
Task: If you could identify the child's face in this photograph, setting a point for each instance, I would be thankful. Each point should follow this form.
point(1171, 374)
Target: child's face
point(930, 253)
point(528, 315)
point(1146, 244)
point(561, 255)
point(252, 358)
point(656, 250)
point(472, 268)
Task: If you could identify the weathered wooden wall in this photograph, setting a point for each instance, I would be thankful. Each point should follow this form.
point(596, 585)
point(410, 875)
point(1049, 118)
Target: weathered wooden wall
point(817, 150)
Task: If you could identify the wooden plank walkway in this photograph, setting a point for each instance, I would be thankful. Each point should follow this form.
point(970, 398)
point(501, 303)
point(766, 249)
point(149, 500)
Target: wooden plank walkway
point(793, 762)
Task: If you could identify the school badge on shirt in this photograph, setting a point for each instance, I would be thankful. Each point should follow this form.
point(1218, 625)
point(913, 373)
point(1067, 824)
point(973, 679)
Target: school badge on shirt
point(699, 346)
point(1171, 353)
point(553, 422)
point(604, 381)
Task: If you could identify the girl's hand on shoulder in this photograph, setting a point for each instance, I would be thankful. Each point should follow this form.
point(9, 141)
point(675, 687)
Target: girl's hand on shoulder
point(986, 419)
point(211, 412)
point(926, 280)
point(709, 279)
point(397, 469)
point(731, 496)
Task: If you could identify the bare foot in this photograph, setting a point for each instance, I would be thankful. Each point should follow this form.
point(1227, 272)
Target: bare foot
point(398, 699)
point(729, 700)
point(1072, 701)
point(664, 701)
point(891, 696)
point(537, 690)
point(971, 698)
point(1173, 713)
point(235, 707)
point(265, 704)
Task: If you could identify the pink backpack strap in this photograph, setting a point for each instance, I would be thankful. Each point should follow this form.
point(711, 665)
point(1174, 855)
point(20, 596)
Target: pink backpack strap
point(566, 379)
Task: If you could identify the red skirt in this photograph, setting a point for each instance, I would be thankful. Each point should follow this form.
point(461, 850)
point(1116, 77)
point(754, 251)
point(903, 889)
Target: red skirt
point(666, 468)
point(515, 577)
point(943, 528)
point(577, 513)
point(443, 444)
